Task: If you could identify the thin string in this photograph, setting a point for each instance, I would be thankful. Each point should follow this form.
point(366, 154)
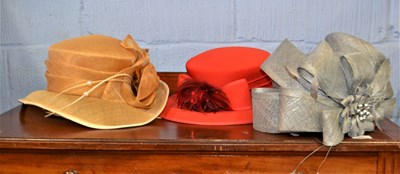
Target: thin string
point(262, 84)
point(88, 83)
point(326, 156)
point(85, 94)
point(257, 79)
point(305, 158)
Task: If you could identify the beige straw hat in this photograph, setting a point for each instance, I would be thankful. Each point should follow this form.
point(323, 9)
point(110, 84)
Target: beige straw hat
point(101, 82)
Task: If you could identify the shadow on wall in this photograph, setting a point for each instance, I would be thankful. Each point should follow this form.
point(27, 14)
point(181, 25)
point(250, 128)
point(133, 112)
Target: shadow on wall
point(22, 66)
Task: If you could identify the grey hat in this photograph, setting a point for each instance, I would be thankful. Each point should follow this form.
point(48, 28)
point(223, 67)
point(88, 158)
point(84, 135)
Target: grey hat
point(341, 87)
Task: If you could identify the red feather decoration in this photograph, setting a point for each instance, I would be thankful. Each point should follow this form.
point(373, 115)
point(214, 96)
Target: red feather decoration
point(201, 97)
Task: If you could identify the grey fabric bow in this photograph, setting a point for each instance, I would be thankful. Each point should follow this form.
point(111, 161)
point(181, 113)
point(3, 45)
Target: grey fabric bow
point(341, 87)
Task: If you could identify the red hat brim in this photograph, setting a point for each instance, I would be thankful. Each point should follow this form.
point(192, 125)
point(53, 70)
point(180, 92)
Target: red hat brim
point(173, 113)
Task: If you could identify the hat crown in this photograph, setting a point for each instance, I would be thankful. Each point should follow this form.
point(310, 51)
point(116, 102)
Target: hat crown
point(87, 51)
point(118, 70)
point(221, 66)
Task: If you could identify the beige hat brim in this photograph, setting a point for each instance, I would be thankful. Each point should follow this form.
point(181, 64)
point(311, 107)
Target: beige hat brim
point(98, 113)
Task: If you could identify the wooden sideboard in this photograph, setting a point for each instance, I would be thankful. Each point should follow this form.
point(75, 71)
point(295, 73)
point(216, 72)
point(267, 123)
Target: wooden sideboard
point(31, 143)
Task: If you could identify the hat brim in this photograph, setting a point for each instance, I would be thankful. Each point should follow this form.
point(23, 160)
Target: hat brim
point(172, 113)
point(98, 113)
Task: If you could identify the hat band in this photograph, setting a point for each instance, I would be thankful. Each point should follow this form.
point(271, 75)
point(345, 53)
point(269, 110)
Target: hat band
point(86, 93)
point(261, 81)
point(237, 92)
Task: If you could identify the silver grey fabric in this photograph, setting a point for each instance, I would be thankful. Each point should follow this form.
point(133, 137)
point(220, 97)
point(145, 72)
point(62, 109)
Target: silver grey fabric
point(285, 56)
point(341, 87)
point(265, 107)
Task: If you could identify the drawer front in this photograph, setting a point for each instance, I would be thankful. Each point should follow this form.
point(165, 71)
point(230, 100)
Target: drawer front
point(139, 162)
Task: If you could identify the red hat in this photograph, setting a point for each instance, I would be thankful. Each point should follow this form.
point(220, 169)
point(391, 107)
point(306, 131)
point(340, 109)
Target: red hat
point(218, 75)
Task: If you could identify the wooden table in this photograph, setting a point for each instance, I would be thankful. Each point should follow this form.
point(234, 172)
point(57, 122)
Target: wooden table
point(31, 143)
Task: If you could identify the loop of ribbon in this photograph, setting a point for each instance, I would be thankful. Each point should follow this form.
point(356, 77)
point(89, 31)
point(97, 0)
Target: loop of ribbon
point(341, 87)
